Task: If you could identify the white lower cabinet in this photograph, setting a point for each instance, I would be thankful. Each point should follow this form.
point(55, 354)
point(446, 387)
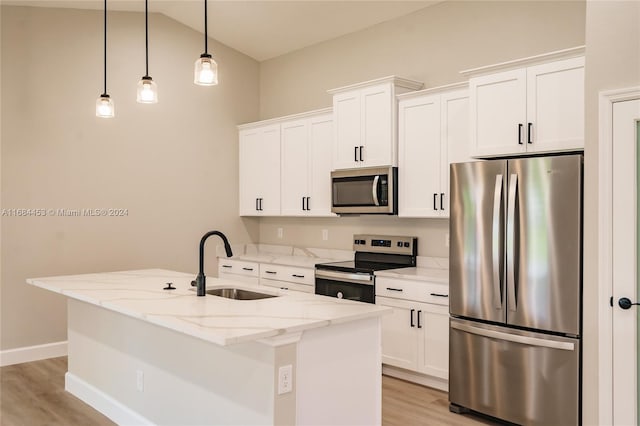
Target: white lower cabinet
point(416, 335)
point(239, 270)
point(287, 277)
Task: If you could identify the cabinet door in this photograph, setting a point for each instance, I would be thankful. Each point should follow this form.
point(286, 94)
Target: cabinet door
point(295, 158)
point(378, 138)
point(455, 137)
point(260, 171)
point(419, 161)
point(399, 338)
point(319, 163)
point(346, 113)
point(433, 353)
point(555, 106)
point(498, 113)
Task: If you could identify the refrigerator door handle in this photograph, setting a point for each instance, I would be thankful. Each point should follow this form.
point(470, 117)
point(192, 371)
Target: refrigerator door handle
point(495, 243)
point(525, 340)
point(511, 237)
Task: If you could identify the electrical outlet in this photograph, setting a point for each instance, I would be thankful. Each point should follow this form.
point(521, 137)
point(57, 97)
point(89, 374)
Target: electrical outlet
point(285, 379)
point(280, 233)
point(325, 234)
point(446, 239)
point(140, 380)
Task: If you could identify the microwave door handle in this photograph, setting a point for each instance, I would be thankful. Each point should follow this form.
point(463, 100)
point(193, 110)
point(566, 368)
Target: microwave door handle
point(374, 190)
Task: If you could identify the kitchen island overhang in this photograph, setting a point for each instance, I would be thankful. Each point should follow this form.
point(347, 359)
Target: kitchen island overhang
point(144, 355)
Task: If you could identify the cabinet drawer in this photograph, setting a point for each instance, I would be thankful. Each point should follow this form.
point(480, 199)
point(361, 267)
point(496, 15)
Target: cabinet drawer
point(290, 274)
point(238, 267)
point(418, 291)
point(285, 285)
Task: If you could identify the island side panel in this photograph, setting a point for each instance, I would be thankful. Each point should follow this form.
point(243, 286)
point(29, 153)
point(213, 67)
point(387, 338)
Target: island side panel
point(339, 375)
point(185, 380)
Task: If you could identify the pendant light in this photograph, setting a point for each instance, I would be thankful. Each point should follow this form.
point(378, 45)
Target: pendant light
point(104, 103)
point(147, 88)
point(206, 69)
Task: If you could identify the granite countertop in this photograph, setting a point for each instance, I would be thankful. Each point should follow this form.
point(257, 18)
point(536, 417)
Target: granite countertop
point(139, 294)
point(433, 275)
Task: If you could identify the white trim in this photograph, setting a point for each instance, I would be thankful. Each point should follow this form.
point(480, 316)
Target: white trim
point(525, 62)
point(396, 81)
point(33, 353)
point(278, 120)
point(433, 90)
point(605, 244)
point(113, 409)
point(414, 377)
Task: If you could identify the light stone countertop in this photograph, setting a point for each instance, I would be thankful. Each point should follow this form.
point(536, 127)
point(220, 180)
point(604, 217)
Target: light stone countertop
point(139, 294)
point(432, 275)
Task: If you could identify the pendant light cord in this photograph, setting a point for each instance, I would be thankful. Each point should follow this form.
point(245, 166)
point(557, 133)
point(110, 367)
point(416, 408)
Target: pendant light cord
point(146, 36)
point(105, 47)
point(206, 51)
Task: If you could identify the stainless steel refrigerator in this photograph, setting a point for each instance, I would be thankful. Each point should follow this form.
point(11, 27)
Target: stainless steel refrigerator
point(515, 279)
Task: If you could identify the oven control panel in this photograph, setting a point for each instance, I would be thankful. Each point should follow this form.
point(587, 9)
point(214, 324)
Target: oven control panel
point(386, 244)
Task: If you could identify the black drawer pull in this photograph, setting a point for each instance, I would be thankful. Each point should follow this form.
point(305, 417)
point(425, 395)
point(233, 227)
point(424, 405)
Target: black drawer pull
point(297, 276)
point(439, 295)
point(270, 272)
point(394, 289)
point(284, 288)
point(248, 269)
point(227, 266)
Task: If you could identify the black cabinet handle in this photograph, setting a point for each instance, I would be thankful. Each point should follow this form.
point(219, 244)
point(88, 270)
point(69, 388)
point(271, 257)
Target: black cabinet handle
point(412, 324)
point(270, 272)
point(529, 125)
point(442, 201)
point(394, 289)
point(257, 204)
point(227, 266)
point(297, 276)
point(439, 295)
point(355, 153)
point(435, 201)
point(303, 209)
point(308, 204)
point(247, 269)
point(284, 288)
point(520, 133)
point(419, 325)
point(361, 147)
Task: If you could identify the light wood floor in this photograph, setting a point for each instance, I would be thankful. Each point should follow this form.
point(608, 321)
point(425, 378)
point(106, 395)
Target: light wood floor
point(33, 394)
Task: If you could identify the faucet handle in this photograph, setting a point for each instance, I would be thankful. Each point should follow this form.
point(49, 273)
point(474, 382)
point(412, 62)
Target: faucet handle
point(194, 283)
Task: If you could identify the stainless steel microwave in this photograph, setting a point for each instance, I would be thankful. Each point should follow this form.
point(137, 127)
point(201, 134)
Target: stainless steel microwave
point(367, 190)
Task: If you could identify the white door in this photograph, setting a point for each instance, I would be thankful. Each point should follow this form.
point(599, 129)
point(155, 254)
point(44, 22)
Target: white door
point(249, 161)
point(419, 159)
point(321, 147)
point(346, 114)
point(294, 172)
point(455, 137)
point(377, 129)
point(433, 354)
point(399, 335)
point(626, 139)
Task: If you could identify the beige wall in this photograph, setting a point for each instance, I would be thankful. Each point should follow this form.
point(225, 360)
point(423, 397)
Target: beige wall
point(172, 165)
point(612, 62)
point(431, 45)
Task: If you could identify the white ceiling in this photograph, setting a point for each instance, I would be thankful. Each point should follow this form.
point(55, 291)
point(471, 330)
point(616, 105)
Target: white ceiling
point(261, 29)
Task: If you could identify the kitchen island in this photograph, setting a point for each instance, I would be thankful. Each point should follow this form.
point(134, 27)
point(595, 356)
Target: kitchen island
point(143, 354)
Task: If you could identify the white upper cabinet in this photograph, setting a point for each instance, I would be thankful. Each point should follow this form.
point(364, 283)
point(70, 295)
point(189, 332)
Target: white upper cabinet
point(260, 171)
point(365, 122)
point(529, 109)
point(306, 166)
point(285, 166)
point(433, 133)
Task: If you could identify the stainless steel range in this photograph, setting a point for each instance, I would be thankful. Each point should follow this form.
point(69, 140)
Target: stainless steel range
point(355, 279)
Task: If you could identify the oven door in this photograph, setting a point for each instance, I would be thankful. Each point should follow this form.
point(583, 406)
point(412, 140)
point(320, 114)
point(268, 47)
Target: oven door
point(346, 285)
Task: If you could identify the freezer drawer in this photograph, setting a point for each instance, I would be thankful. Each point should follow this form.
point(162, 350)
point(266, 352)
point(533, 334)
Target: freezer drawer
point(522, 377)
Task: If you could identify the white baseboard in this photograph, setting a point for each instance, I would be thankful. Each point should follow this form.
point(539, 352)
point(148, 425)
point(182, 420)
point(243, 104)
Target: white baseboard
point(114, 410)
point(411, 376)
point(33, 353)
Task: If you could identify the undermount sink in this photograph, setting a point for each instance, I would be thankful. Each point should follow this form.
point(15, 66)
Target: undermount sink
point(238, 294)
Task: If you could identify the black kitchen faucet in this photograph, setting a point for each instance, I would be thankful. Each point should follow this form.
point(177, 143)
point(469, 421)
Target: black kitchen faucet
point(201, 280)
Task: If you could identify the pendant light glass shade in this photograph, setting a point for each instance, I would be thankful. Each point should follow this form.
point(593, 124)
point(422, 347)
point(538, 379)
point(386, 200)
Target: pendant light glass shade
point(206, 71)
point(147, 91)
point(105, 107)
point(104, 104)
